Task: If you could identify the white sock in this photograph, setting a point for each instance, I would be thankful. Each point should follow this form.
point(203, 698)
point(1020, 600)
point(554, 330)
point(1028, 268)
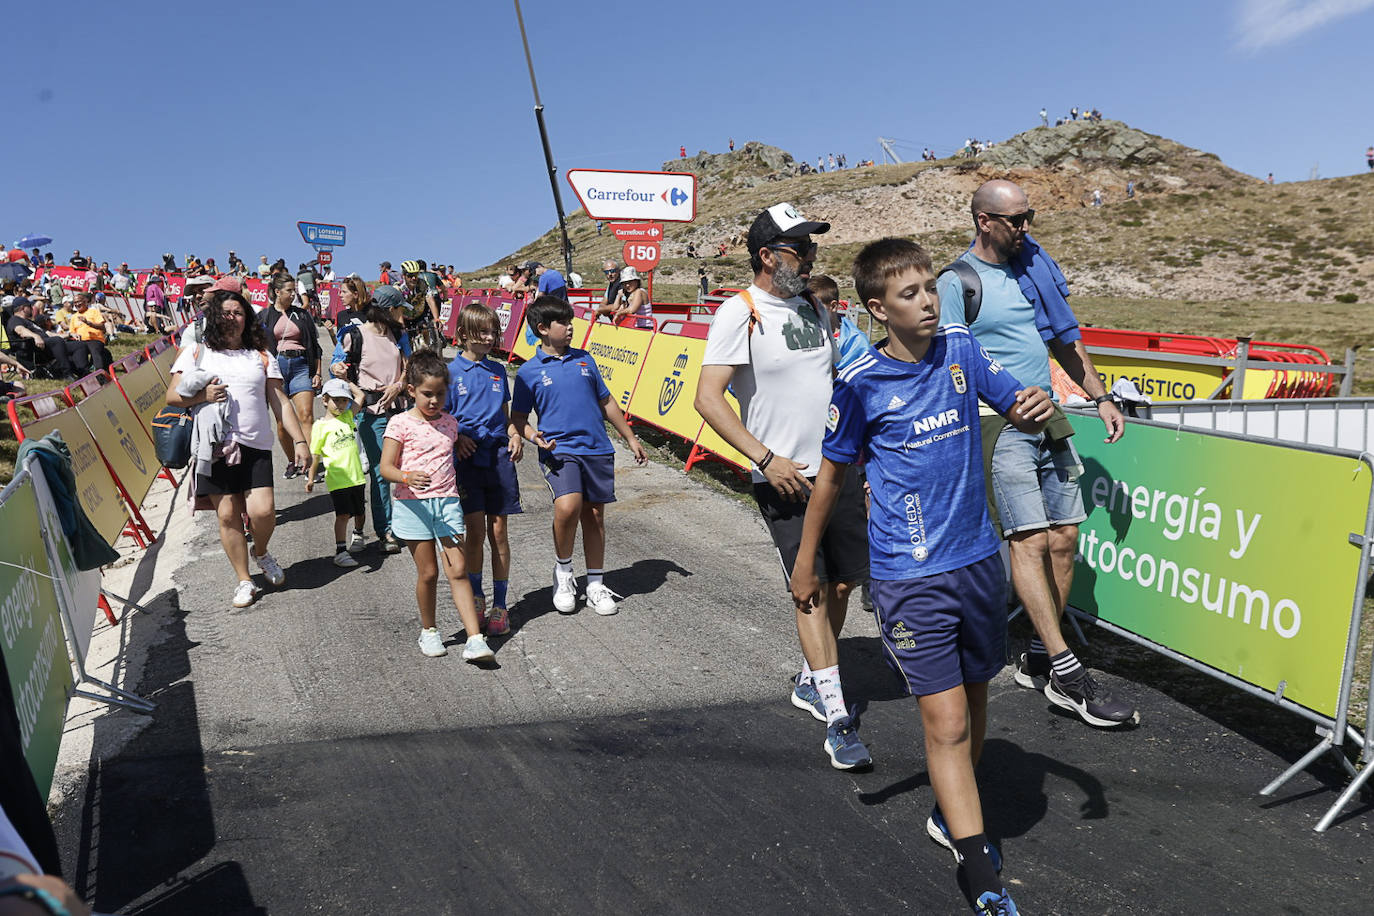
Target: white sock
point(805, 676)
point(594, 576)
point(827, 682)
point(564, 565)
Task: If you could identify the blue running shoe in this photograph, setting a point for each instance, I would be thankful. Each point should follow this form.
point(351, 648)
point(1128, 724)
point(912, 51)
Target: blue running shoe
point(842, 743)
point(991, 904)
point(807, 697)
point(938, 830)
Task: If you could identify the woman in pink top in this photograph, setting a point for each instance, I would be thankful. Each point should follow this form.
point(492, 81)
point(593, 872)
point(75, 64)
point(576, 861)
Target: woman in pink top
point(294, 341)
point(417, 458)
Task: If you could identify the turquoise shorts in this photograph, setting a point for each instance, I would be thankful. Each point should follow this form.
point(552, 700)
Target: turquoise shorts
point(427, 519)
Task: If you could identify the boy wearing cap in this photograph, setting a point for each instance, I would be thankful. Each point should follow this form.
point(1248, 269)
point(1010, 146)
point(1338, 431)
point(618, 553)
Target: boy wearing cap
point(333, 441)
point(771, 345)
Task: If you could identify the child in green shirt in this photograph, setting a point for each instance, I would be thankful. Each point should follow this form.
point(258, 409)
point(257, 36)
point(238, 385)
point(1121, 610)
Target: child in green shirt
point(332, 439)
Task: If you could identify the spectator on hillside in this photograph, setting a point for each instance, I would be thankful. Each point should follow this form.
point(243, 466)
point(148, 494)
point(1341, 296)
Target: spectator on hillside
point(1044, 117)
point(384, 277)
point(264, 269)
point(77, 261)
point(236, 267)
point(1369, 157)
point(35, 258)
point(156, 314)
point(193, 266)
point(732, 144)
point(47, 260)
point(1097, 197)
point(551, 282)
point(520, 280)
point(49, 350)
point(122, 280)
point(720, 250)
point(90, 328)
point(691, 250)
point(211, 268)
point(1073, 113)
point(169, 263)
point(682, 152)
point(703, 282)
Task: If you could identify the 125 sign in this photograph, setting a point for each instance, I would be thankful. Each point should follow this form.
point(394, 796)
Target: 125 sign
point(642, 255)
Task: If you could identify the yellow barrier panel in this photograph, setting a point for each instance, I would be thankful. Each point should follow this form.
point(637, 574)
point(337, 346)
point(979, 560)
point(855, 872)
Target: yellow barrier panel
point(524, 343)
point(95, 487)
point(164, 361)
point(1159, 380)
point(713, 443)
point(668, 385)
point(147, 391)
point(115, 427)
point(619, 354)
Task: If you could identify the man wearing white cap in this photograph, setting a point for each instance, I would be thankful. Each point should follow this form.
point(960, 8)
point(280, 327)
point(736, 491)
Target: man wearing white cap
point(771, 345)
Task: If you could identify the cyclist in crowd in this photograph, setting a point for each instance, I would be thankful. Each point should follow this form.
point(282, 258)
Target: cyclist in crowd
point(423, 292)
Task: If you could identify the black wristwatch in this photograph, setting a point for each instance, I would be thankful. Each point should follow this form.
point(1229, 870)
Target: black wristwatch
point(1101, 398)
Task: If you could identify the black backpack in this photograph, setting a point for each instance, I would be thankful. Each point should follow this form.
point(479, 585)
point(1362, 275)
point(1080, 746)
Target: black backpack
point(353, 349)
point(972, 285)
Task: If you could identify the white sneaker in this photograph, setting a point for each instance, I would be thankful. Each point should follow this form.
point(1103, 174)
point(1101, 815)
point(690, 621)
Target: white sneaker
point(344, 560)
point(431, 643)
point(245, 594)
point(477, 650)
point(355, 542)
point(564, 592)
point(269, 568)
point(601, 599)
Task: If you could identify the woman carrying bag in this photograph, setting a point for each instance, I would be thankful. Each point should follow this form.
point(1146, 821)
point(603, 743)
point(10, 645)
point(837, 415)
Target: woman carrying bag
point(373, 356)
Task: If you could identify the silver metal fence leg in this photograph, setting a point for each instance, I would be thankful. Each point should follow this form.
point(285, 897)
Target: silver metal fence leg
point(1325, 745)
point(1078, 631)
point(1348, 377)
point(1356, 784)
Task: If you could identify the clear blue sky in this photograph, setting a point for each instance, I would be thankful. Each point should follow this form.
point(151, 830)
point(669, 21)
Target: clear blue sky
point(199, 127)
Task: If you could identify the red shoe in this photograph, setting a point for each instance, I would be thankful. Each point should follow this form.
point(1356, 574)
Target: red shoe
point(498, 624)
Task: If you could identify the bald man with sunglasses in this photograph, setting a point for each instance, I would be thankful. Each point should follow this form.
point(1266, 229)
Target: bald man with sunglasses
point(1034, 497)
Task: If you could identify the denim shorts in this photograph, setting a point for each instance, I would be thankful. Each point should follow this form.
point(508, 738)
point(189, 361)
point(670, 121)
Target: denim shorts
point(591, 475)
point(427, 519)
point(295, 374)
point(944, 630)
point(1032, 492)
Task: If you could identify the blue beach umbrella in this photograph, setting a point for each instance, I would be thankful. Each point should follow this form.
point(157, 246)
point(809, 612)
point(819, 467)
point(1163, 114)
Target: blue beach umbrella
point(33, 241)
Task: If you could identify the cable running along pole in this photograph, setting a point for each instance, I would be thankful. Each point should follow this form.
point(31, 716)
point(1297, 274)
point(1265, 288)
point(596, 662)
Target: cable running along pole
point(548, 153)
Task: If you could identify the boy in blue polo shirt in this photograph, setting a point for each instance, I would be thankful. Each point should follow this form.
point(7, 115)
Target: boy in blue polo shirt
point(563, 386)
point(909, 407)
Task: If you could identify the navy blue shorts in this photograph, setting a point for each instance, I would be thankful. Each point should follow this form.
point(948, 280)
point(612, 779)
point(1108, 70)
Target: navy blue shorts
point(494, 490)
point(591, 475)
point(944, 630)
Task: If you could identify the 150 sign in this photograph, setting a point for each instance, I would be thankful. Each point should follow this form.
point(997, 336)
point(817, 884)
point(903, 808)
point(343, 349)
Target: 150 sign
point(642, 255)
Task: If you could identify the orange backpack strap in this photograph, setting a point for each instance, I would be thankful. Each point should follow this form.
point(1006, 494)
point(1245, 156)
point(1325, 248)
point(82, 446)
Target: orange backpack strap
point(753, 309)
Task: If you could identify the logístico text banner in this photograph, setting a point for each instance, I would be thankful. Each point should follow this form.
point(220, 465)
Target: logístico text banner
point(1234, 553)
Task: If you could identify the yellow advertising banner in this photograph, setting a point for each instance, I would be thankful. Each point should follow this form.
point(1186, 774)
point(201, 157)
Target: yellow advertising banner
point(164, 361)
point(668, 385)
point(95, 487)
point(619, 354)
point(525, 343)
point(713, 443)
point(147, 391)
point(1169, 381)
point(117, 431)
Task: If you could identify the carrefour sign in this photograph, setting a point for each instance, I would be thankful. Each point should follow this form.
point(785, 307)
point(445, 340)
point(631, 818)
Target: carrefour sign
point(667, 196)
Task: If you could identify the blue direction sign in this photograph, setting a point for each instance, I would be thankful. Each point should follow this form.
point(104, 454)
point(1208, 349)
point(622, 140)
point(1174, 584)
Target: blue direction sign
point(322, 234)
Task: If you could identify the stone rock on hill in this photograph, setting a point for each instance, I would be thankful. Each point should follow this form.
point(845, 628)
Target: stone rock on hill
point(750, 165)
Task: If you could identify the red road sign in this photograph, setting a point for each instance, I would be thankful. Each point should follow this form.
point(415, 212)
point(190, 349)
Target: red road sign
point(326, 257)
point(642, 255)
point(637, 232)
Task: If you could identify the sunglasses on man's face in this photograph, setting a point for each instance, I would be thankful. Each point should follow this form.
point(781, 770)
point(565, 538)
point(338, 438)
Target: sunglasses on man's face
point(1015, 220)
point(801, 251)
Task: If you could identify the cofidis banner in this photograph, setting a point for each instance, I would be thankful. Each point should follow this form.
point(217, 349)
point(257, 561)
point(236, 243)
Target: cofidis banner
point(1234, 553)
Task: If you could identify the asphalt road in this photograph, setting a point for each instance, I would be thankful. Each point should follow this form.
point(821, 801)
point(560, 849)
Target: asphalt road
point(305, 758)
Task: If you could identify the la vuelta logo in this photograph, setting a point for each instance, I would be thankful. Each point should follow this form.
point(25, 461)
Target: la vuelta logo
point(672, 385)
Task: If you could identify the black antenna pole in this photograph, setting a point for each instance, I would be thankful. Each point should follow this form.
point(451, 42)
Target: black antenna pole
point(548, 153)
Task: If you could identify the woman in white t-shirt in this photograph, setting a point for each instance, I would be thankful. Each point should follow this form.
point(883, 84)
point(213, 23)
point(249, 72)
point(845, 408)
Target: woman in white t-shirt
point(242, 375)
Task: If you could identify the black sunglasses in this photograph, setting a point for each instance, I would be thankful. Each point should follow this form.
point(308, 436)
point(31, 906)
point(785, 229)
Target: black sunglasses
point(1016, 220)
point(801, 251)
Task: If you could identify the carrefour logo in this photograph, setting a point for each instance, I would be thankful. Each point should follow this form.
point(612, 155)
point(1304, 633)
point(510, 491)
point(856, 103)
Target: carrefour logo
point(674, 197)
point(672, 385)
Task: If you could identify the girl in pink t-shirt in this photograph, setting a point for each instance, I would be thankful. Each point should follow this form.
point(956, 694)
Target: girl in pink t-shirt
point(417, 458)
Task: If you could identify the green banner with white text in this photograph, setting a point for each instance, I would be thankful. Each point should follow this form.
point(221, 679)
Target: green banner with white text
point(1234, 553)
point(31, 633)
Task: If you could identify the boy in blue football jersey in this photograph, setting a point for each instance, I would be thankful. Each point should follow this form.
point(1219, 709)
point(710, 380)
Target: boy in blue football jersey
point(563, 386)
point(909, 407)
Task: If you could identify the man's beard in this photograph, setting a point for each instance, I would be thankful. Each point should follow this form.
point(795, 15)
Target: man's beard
point(787, 281)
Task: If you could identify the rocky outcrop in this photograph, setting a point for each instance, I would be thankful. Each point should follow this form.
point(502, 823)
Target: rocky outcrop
point(750, 165)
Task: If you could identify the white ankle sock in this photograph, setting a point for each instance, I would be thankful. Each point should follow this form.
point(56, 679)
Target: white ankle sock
point(827, 682)
point(805, 676)
point(594, 576)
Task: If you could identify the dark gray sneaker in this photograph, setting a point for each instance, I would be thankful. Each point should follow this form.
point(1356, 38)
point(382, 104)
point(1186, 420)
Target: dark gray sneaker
point(1093, 702)
point(1032, 671)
